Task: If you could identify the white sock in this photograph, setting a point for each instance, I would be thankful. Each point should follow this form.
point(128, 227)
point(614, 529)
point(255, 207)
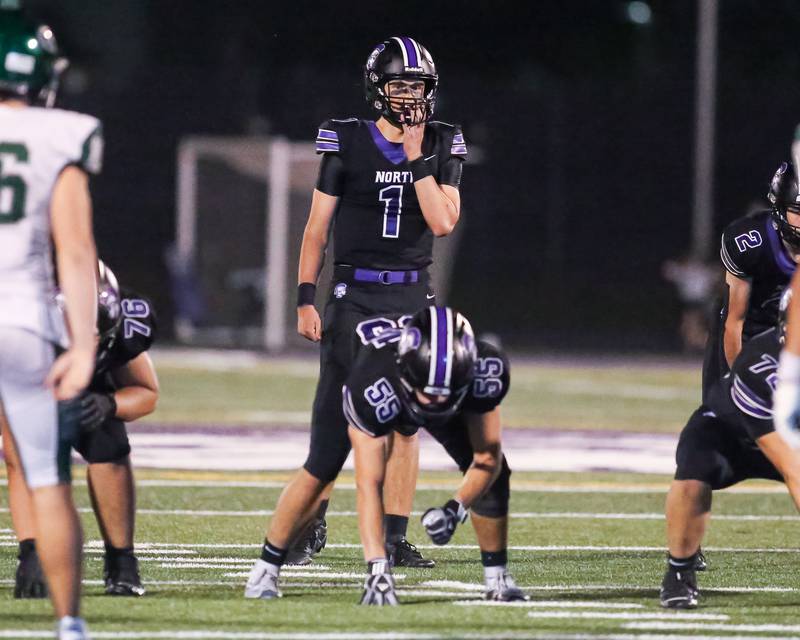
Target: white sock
point(494, 572)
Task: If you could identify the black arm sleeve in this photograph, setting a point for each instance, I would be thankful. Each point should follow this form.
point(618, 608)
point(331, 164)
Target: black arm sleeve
point(331, 175)
point(450, 172)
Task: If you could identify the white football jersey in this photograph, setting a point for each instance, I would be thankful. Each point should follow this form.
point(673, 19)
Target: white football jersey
point(36, 144)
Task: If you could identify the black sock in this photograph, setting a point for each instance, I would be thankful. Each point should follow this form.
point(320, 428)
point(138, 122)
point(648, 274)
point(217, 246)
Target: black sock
point(678, 564)
point(26, 547)
point(494, 558)
point(116, 552)
point(272, 554)
point(322, 510)
point(395, 527)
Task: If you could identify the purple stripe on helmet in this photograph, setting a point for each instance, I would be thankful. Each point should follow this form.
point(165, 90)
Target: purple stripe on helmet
point(441, 346)
point(411, 51)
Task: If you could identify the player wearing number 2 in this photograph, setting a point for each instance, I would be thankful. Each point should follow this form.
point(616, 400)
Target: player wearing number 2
point(760, 253)
point(45, 158)
point(386, 188)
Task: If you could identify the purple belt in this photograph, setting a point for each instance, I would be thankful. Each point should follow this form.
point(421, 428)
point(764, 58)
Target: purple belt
point(386, 277)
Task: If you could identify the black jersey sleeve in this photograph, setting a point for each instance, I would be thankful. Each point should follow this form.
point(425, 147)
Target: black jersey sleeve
point(370, 395)
point(492, 379)
point(743, 245)
point(451, 152)
point(753, 379)
point(331, 174)
point(328, 138)
point(137, 331)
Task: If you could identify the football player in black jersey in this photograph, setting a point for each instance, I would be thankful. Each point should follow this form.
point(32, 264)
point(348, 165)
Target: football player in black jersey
point(426, 371)
point(730, 438)
point(385, 188)
point(760, 253)
point(124, 388)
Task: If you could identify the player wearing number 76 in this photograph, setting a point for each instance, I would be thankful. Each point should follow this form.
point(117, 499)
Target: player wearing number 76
point(386, 187)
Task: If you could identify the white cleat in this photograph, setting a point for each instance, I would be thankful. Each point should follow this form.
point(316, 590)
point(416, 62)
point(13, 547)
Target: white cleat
point(70, 628)
point(502, 588)
point(263, 581)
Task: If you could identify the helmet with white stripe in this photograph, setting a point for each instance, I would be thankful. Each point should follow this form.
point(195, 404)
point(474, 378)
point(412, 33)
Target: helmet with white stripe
point(436, 358)
point(401, 58)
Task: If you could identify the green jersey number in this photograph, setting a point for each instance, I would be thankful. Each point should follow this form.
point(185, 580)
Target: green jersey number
point(13, 209)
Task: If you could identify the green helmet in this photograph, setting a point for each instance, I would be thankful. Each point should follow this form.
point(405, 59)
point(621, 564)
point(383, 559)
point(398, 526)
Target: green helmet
point(29, 62)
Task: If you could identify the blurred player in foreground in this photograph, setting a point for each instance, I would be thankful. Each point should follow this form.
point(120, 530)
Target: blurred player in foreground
point(730, 438)
point(427, 371)
point(124, 388)
point(46, 157)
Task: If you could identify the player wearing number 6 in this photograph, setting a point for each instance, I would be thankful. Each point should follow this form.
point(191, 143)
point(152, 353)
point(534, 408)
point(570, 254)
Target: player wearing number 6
point(431, 374)
point(45, 158)
point(386, 187)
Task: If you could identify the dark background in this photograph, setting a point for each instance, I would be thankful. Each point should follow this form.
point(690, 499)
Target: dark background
point(585, 118)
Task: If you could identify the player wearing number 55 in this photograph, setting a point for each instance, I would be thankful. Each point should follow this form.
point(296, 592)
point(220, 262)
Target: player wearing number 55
point(386, 187)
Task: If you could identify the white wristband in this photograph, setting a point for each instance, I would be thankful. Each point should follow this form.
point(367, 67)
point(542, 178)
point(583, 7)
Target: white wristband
point(789, 369)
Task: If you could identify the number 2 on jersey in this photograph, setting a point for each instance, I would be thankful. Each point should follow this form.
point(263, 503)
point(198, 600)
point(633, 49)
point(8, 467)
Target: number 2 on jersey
point(393, 197)
point(12, 188)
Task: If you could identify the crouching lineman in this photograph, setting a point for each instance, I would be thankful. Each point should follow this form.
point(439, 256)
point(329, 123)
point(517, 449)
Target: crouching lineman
point(729, 439)
point(124, 387)
point(425, 371)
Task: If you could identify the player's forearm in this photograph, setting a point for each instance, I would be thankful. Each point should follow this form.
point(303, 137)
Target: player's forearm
point(78, 283)
point(439, 211)
point(312, 255)
point(479, 477)
point(732, 339)
point(135, 402)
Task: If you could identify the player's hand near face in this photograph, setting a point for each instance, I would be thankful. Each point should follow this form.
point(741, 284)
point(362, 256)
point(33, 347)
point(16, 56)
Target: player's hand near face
point(309, 324)
point(412, 136)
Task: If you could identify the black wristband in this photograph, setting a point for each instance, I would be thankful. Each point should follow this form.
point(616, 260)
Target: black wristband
point(306, 293)
point(419, 169)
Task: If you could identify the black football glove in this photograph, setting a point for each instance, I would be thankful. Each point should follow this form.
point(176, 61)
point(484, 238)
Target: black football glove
point(440, 522)
point(96, 408)
point(29, 582)
point(379, 585)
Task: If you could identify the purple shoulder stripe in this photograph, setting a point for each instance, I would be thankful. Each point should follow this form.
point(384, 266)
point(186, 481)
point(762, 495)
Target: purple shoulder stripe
point(748, 401)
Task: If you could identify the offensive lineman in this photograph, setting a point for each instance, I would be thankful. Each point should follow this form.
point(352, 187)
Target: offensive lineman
point(387, 187)
point(730, 438)
point(427, 371)
point(46, 156)
point(124, 388)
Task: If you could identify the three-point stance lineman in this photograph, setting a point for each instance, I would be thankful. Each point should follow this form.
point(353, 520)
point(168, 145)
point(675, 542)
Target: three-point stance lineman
point(730, 438)
point(386, 188)
point(427, 371)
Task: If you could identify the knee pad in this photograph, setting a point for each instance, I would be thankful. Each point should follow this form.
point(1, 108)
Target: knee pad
point(107, 443)
point(494, 503)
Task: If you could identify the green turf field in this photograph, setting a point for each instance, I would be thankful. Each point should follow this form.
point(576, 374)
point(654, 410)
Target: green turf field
point(631, 396)
point(587, 549)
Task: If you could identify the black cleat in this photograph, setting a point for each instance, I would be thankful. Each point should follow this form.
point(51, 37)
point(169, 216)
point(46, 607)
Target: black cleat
point(308, 544)
point(29, 582)
point(122, 576)
point(679, 589)
point(404, 554)
point(700, 563)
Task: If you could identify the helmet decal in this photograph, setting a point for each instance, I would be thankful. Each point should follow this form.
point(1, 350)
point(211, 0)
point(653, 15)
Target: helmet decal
point(374, 55)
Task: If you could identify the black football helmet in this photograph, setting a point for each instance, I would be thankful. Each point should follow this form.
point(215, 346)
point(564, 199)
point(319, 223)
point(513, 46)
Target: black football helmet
point(784, 196)
point(109, 312)
point(401, 58)
point(436, 356)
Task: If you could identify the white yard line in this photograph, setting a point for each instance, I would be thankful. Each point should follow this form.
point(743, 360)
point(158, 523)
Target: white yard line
point(554, 604)
point(683, 626)
point(259, 635)
point(601, 615)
